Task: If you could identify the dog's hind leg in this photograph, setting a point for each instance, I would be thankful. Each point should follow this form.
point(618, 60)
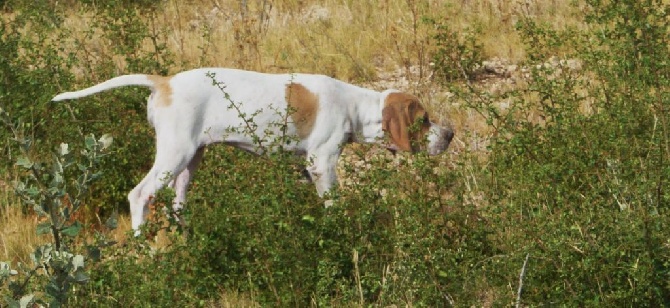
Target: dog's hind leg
point(171, 159)
point(181, 182)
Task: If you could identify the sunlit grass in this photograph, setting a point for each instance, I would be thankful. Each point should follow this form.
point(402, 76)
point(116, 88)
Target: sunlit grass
point(18, 237)
point(351, 40)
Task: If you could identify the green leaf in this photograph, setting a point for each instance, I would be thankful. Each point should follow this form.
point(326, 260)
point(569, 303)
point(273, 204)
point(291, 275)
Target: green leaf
point(80, 276)
point(39, 210)
point(53, 290)
point(43, 228)
point(41, 254)
point(105, 141)
point(24, 162)
point(95, 176)
point(64, 149)
point(55, 303)
point(26, 300)
point(6, 271)
point(11, 303)
point(89, 142)
point(112, 222)
point(56, 192)
point(82, 167)
point(72, 230)
point(58, 179)
point(57, 166)
point(94, 253)
point(33, 191)
point(78, 262)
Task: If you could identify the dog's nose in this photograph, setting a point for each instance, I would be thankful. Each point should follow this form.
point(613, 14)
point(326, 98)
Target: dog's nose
point(449, 135)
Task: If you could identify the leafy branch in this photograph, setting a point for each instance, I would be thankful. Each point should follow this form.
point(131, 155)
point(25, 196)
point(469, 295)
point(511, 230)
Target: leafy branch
point(54, 189)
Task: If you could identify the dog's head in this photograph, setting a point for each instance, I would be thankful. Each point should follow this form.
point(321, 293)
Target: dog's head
point(408, 125)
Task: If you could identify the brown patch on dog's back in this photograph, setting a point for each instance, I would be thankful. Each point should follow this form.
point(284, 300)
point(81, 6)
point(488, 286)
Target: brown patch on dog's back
point(163, 90)
point(304, 106)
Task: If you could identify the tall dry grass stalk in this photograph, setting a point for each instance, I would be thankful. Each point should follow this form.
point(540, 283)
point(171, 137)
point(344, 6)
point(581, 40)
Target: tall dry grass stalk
point(18, 236)
point(351, 40)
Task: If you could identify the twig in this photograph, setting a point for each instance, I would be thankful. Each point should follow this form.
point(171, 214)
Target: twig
point(521, 276)
point(357, 277)
point(248, 122)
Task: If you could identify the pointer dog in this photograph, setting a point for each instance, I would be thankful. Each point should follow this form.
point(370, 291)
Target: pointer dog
point(195, 108)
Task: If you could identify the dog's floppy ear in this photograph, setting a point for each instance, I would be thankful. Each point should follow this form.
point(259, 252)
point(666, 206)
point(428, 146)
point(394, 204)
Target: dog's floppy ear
point(399, 113)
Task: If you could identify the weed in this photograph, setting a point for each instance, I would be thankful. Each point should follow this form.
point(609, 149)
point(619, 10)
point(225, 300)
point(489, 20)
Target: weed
point(55, 195)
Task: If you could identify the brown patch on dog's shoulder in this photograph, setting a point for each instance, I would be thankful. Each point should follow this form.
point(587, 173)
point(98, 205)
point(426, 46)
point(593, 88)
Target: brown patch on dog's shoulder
point(304, 106)
point(162, 90)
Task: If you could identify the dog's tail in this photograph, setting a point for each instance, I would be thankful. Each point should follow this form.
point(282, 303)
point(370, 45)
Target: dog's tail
point(116, 82)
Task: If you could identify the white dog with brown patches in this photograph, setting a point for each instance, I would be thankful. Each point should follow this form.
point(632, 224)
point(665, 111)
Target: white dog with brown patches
point(193, 109)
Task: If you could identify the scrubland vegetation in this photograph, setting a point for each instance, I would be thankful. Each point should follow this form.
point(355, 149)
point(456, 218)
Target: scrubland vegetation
point(553, 193)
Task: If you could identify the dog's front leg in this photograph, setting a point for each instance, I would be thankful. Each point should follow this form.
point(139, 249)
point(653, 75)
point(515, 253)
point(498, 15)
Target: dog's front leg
point(322, 169)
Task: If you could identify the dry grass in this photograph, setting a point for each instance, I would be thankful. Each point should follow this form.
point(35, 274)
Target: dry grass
point(351, 40)
point(18, 236)
point(17, 231)
point(380, 43)
point(228, 299)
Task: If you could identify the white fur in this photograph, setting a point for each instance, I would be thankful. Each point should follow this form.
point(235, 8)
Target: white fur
point(198, 114)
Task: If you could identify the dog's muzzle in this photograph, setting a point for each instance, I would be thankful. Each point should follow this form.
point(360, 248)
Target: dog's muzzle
point(439, 139)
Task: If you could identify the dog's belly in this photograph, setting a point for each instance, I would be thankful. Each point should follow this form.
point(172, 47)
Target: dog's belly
point(256, 139)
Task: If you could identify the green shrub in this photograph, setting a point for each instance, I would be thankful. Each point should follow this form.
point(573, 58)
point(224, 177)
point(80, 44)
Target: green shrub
point(54, 191)
point(264, 232)
point(52, 53)
point(578, 165)
point(458, 55)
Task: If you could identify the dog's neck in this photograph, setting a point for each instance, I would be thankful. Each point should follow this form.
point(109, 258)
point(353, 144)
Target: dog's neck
point(365, 112)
